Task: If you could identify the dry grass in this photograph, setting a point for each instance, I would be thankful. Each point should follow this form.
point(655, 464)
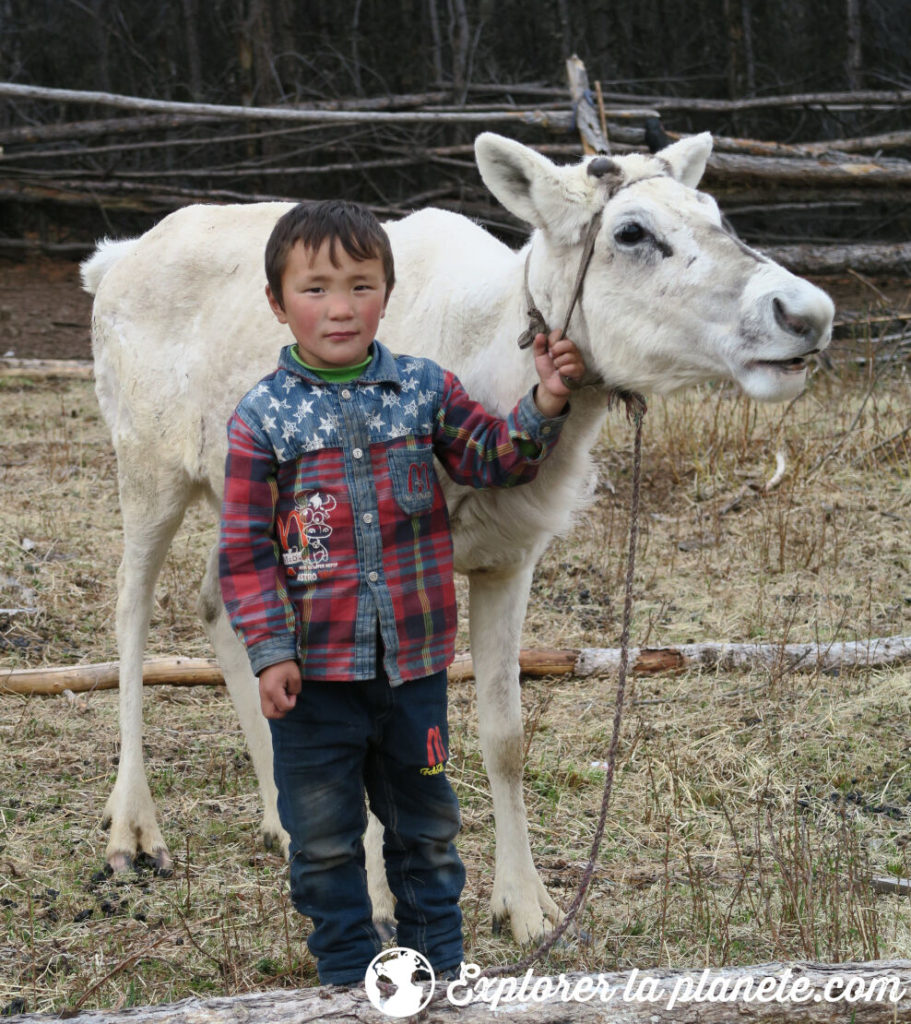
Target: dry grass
point(749, 810)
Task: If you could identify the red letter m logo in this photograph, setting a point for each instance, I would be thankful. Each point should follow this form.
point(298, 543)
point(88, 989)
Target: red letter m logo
point(436, 752)
point(418, 477)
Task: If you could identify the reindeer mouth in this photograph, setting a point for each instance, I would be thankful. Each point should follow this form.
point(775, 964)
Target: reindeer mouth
point(796, 364)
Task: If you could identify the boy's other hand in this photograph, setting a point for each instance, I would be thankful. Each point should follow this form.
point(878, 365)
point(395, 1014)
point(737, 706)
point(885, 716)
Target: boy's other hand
point(279, 686)
point(555, 358)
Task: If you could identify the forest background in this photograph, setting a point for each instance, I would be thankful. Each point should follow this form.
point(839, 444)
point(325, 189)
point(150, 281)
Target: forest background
point(71, 170)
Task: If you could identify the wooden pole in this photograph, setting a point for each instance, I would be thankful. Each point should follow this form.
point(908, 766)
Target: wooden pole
point(587, 121)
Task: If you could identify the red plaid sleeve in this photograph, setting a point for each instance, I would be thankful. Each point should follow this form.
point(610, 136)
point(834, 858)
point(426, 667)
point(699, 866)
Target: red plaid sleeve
point(485, 451)
point(249, 563)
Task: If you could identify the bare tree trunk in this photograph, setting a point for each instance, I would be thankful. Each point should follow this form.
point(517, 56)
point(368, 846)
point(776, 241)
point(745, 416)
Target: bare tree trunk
point(460, 40)
point(102, 40)
point(566, 31)
point(194, 66)
point(355, 54)
point(436, 55)
point(733, 22)
point(853, 38)
point(749, 57)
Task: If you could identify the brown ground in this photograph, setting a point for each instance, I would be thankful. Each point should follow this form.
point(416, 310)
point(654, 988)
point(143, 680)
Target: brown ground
point(44, 314)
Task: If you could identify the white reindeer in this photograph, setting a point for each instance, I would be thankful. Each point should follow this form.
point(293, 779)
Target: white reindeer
point(181, 329)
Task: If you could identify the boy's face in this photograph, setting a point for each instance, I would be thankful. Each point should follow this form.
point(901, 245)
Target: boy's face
point(333, 312)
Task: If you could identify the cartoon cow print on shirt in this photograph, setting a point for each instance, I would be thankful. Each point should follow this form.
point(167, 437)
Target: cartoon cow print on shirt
point(304, 534)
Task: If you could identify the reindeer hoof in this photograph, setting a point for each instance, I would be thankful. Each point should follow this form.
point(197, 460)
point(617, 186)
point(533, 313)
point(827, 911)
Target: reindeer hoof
point(159, 861)
point(272, 842)
point(386, 930)
point(120, 862)
point(496, 924)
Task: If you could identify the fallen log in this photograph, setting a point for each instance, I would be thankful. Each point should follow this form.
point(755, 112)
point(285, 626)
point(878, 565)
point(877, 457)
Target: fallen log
point(875, 992)
point(870, 258)
point(105, 676)
point(891, 886)
point(533, 662)
point(727, 167)
point(82, 130)
point(558, 120)
point(830, 657)
point(873, 143)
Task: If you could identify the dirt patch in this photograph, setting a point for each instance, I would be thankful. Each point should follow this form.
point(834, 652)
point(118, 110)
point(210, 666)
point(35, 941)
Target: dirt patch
point(44, 314)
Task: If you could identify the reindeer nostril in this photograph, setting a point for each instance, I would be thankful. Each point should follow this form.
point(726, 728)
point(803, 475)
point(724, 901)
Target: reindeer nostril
point(802, 326)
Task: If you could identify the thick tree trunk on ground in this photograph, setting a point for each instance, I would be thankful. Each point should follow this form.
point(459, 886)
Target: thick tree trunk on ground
point(773, 993)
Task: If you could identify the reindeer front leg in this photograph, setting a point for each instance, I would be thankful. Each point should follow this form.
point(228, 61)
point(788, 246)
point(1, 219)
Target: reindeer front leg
point(497, 610)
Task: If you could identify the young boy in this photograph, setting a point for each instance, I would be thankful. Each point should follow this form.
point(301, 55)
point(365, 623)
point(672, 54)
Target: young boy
point(336, 570)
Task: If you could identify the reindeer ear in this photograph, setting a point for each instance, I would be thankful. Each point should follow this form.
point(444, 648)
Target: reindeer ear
point(530, 186)
point(513, 172)
point(687, 158)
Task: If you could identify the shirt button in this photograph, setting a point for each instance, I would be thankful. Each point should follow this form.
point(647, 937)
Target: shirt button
point(373, 577)
point(358, 453)
point(346, 393)
point(368, 517)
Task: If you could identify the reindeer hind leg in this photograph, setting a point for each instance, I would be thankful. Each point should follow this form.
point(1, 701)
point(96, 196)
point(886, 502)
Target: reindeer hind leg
point(152, 507)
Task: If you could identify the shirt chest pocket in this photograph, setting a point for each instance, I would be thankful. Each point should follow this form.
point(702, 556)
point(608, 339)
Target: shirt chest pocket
point(413, 478)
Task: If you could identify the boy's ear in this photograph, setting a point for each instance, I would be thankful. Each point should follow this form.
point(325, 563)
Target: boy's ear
point(276, 306)
point(386, 300)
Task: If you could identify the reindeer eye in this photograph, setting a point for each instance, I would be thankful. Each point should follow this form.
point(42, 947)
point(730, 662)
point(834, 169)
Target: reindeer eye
point(630, 234)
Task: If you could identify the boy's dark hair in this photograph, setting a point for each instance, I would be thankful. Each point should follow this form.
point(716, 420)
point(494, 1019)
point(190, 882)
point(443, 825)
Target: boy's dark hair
point(334, 220)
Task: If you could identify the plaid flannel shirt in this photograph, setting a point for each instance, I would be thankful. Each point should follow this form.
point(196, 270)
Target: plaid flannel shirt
point(334, 524)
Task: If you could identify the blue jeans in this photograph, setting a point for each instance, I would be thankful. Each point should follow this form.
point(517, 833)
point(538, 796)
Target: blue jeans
point(341, 739)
